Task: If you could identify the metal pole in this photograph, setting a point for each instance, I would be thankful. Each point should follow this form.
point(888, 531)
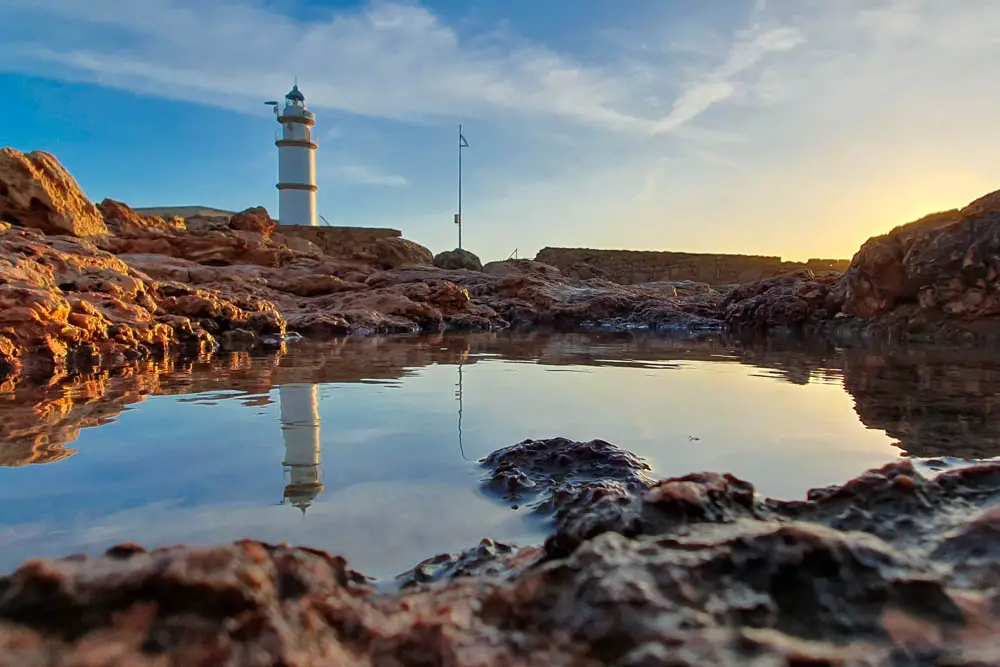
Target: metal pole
point(459, 187)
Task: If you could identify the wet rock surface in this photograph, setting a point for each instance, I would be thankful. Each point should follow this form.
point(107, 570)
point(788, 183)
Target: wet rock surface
point(891, 568)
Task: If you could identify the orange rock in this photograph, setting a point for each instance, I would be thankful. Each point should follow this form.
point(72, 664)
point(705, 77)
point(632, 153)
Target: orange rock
point(36, 191)
point(253, 220)
point(120, 218)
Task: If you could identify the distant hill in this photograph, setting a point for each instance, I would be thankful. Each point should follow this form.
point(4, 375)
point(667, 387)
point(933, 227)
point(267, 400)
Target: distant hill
point(183, 211)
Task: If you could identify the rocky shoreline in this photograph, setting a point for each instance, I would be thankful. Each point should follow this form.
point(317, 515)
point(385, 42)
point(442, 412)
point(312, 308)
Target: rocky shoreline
point(85, 286)
point(891, 568)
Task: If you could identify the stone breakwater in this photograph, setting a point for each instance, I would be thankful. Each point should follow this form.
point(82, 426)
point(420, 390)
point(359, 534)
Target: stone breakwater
point(630, 267)
point(891, 568)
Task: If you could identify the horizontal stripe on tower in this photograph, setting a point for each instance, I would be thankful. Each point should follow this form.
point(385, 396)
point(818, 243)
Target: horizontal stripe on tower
point(302, 120)
point(295, 142)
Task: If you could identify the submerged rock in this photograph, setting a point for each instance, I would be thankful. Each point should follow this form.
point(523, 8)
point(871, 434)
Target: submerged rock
point(889, 569)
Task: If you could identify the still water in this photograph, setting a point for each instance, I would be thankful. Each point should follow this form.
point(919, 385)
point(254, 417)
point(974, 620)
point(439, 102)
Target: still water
point(368, 447)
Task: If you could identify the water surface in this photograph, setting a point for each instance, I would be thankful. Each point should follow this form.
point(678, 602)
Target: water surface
point(368, 447)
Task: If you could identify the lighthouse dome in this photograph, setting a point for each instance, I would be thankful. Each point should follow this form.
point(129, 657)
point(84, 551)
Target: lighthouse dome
point(295, 94)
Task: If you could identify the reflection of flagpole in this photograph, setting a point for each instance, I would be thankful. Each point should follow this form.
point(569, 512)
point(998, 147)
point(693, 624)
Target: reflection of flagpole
point(458, 395)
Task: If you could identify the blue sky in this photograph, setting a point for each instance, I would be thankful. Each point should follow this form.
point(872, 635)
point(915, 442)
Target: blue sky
point(790, 127)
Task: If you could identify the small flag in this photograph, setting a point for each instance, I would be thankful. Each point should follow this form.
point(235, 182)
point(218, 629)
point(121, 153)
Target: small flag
point(461, 141)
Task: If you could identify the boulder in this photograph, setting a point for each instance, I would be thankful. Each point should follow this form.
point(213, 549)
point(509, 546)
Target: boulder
point(122, 219)
point(396, 253)
point(947, 263)
point(457, 259)
point(36, 191)
point(254, 219)
point(786, 302)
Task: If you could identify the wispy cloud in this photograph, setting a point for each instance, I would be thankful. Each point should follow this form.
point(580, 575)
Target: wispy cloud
point(388, 59)
point(793, 127)
point(366, 175)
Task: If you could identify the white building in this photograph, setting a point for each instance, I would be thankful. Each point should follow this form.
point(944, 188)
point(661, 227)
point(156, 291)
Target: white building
point(296, 161)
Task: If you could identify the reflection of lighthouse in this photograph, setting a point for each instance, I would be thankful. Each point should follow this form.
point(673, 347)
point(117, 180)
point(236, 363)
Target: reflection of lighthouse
point(300, 429)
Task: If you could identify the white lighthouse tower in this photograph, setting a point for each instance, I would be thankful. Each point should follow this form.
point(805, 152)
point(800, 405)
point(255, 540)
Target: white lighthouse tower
point(296, 161)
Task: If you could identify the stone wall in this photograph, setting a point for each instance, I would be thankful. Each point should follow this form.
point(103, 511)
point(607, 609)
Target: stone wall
point(339, 241)
point(630, 267)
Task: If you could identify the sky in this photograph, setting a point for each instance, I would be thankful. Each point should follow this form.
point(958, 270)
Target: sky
point(796, 128)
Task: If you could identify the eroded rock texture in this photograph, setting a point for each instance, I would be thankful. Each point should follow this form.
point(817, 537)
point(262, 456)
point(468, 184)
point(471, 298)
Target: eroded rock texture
point(84, 285)
point(935, 279)
point(889, 569)
point(37, 192)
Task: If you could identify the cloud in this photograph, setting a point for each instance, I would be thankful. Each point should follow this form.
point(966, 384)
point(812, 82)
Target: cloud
point(386, 59)
point(365, 175)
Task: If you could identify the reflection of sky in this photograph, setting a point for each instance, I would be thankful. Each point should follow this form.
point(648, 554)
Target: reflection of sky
point(396, 486)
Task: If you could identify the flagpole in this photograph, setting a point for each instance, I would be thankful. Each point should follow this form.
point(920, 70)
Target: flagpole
point(459, 187)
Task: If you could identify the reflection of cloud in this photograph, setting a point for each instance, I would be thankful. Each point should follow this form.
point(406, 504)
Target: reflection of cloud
point(412, 521)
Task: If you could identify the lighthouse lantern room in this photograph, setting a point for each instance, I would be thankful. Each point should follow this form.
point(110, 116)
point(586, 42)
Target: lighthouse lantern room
point(296, 161)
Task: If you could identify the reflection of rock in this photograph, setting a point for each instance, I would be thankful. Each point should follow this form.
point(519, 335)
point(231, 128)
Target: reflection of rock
point(936, 402)
point(889, 569)
point(300, 431)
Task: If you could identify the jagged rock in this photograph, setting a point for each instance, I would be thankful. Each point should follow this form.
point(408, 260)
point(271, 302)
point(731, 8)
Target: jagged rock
point(457, 259)
point(944, 263)
point(784, 302)
point(36, 191)
point(547, 474)
point(486, 560)
point(253, 220)
point(121, 219)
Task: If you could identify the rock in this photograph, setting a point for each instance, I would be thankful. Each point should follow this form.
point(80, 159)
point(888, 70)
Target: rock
point(36, 191)
point(681, 288)
point(791, 301)
point(489, 559)
point(550, 475)
point(121, 219)
point(457, 259)
point(59, 297)
point(396, 253)
point(878, 279)
point(253, 220)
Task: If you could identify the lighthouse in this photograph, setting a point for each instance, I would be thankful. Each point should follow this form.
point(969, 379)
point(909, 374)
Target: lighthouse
point(296, 161)
point(300, 431)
